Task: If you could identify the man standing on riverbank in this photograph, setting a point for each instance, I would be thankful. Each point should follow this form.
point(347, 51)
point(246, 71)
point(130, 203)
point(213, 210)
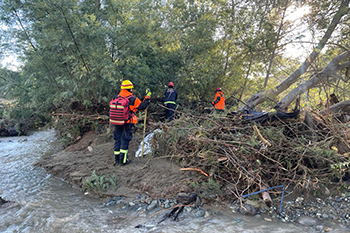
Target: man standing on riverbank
point(170, 97)
point(123, 129)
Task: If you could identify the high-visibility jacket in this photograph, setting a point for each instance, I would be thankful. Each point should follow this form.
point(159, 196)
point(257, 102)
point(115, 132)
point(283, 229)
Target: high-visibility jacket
point(219, 100)
point(170, 96)
point(135, 104)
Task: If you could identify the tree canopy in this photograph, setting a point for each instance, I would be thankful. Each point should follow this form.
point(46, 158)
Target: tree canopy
point(81, 50)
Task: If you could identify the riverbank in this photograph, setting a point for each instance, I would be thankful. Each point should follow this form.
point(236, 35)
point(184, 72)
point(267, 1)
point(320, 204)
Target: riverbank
point(152, 184)
point(157, 177)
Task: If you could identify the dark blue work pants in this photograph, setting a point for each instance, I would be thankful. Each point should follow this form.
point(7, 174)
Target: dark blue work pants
point(169, 112)
point(122, 136)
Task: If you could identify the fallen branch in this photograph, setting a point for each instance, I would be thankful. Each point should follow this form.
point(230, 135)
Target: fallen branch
point(93, 117)
point(260, 136)
point(194, 169)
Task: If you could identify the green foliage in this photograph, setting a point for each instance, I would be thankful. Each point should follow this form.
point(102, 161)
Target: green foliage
point(98, 183)
point(70, 128)
point(339, 169)
point(82, 50)
point(76, 51)
point(211, 186)
point(341, 165)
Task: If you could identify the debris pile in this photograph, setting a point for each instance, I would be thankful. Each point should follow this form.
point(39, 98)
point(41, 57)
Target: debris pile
point(233, 156)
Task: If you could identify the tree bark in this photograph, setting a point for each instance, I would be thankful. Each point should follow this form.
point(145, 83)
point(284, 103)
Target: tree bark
point(331, 68)
point(271, 93)
point(335, 108)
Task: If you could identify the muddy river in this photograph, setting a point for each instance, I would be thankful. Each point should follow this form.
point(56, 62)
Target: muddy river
point(43, 203)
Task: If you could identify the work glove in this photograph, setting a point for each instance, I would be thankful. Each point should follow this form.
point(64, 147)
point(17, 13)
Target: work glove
point(148, 92)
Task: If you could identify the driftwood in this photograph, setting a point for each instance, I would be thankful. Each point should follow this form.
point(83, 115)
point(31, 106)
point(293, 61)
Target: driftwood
point(184, 200)
point(266, 197)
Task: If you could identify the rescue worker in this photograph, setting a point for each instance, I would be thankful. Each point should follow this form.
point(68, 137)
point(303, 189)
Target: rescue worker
point(123, 133)
point(219, 100)
point(170, 97)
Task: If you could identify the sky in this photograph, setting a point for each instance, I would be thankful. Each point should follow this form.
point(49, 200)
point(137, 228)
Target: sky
point(8, 59)
point(10, 62)
point(301, 33)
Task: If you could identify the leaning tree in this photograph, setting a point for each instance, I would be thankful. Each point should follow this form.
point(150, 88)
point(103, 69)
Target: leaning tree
point(338, 63)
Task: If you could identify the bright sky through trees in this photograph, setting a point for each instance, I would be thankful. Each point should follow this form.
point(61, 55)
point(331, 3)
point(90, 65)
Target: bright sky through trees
point(8, 59)
point(298, 48)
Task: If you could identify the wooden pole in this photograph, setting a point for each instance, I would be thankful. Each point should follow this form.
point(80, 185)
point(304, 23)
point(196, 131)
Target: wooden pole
point(144, 131)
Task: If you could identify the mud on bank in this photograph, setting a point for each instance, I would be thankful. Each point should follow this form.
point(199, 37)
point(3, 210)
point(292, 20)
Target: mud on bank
point(158, 177)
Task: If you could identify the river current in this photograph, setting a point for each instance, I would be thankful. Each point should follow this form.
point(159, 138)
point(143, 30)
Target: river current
point(43, 203)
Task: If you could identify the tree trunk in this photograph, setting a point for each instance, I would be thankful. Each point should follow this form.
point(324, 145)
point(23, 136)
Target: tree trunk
point(247, 75)
point(331, 68)
point(271, 93)
point(343, 106)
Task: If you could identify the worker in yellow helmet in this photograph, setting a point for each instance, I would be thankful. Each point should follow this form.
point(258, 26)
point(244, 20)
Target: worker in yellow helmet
point(122, 114)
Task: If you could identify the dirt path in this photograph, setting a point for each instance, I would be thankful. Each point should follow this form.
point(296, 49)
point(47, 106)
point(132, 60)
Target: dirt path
point(158, 177)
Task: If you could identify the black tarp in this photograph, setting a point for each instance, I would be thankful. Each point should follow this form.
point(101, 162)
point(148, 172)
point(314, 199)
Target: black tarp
point(261, 117)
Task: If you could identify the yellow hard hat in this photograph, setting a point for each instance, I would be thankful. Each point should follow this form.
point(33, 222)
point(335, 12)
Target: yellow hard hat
point(127, 84)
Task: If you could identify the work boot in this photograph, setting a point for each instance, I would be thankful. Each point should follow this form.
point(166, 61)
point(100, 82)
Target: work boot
point(127, 162)
point(120, 160)
point(117, 159)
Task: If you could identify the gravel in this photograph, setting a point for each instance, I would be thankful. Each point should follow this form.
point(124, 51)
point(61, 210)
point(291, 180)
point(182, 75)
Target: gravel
point(313, 213)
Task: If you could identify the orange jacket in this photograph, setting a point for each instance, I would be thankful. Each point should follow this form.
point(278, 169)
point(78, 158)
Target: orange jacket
point(219, 100)
point(135, 104)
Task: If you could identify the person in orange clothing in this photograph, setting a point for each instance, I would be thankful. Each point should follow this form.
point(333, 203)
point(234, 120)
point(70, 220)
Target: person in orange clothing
point(123, 133)
point(219, 100)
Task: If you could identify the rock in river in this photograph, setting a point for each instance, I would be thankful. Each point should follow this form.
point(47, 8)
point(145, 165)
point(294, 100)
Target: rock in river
point(307, 221)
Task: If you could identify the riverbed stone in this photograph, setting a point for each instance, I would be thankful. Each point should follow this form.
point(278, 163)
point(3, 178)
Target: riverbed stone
point(200, 213)
point(152, 206)
point(299, 200)
point(326, 191)
point(307, 221)
point(248, 210)
point(131, 203)
point(319, 228)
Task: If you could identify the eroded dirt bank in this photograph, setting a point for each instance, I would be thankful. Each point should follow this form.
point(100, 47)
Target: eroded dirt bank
point(158, 177)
